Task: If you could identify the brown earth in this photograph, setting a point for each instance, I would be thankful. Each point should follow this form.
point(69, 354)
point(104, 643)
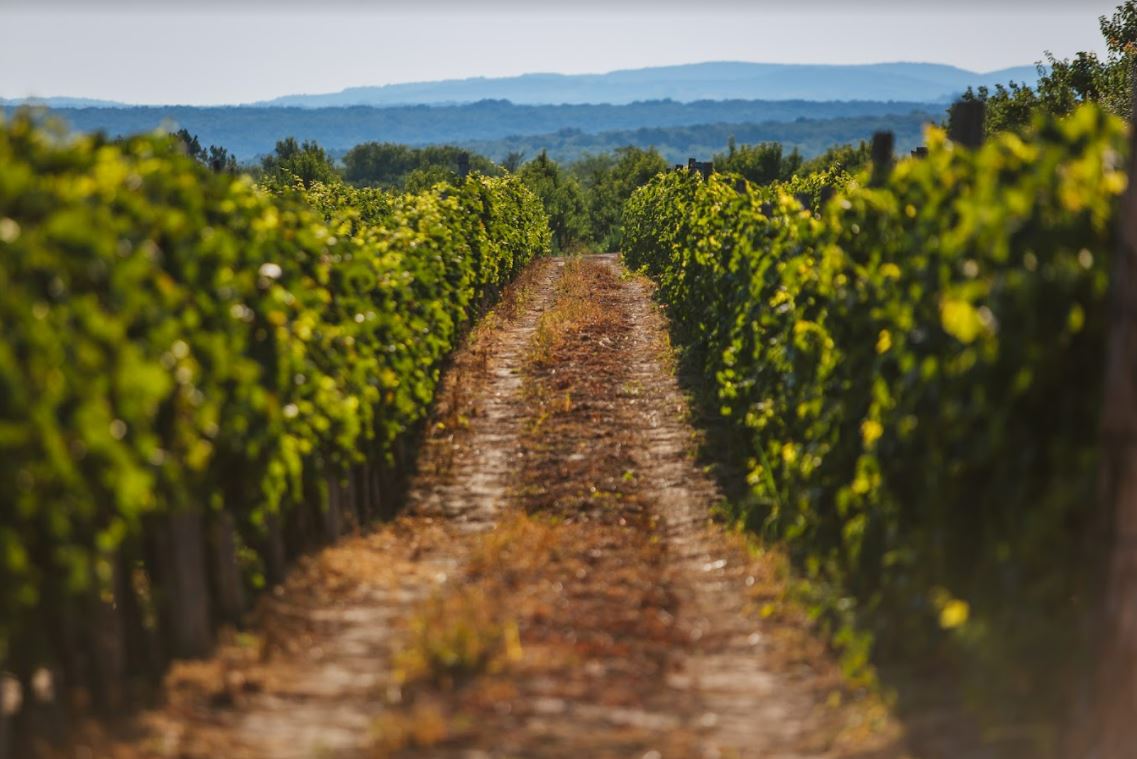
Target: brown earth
point(555, 588)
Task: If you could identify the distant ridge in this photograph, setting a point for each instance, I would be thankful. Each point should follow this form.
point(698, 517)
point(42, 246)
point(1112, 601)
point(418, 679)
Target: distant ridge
point(925, 82)
point(62, 102)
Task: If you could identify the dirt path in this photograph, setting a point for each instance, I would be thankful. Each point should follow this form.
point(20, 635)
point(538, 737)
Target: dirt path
point(556, 587)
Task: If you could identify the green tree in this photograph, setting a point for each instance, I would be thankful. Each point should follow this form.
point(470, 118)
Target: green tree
point(761, 164)
point(306, 161)
point(190, 143)
point(563, 199)
point(513, 160)
point(221, 160)
point(609, 179)
point(1064, 84)
point(388, 165)
point(425, 177)
point(217, 158)
point(848, 158)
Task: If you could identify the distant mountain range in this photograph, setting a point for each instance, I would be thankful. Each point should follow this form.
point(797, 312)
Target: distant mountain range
point(683, 110)
point(251, 131)
point(922, 82)
point(62, 102)
point(926, 82)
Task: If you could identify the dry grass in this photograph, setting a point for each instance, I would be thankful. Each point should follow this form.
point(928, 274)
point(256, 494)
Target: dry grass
point(577, 313)
point(456, 399)
point(457, 635)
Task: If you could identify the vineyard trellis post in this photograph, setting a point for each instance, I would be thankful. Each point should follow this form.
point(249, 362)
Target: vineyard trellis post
point(186, 587)
point(702, 168)
point(882, 145)
point(967, 123)
point(227, 573)
point(1111, 720)
point(5, 723)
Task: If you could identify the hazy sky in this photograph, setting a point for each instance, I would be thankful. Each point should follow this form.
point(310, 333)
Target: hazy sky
point(169, 51)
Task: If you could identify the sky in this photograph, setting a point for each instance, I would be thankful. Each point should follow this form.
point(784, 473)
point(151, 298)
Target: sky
point(212, 52)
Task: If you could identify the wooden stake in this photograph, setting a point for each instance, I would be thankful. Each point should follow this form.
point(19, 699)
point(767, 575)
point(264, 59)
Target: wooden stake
point(332, 522)
point(107, 646)
point(274, 556)
point(186, 585)
point(226, 572)
point(882, 145)
point(5, 722)
point(1111, 720)
point(966, 123)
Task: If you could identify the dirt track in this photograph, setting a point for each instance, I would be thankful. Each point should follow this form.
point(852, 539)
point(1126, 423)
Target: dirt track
point(555, 588)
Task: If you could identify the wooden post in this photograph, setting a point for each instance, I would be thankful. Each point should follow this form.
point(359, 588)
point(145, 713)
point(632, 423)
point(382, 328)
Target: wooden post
point(6, 683)
point(378, 498)
point(230, 592)
point(375, 498)
point(143, 655)
point(186, 585)
point(966, 122)
point(332, 521)
point(1107, 728)
point(274, 556)
point(882, 144)
point(107, 648)
point(361, 495)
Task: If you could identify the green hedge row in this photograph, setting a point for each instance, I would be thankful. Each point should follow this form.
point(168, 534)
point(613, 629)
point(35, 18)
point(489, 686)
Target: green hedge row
point(914, 373)
point(176, 342)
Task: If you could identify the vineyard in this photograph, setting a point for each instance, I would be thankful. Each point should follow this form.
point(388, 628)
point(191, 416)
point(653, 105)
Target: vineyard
point(200, 379)
point(915, 374)
point(404, 483)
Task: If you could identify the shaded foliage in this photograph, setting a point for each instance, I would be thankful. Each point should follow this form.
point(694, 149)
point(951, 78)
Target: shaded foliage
point(563, 198)
point(608, 180)
point(217, 158)
point(306, 161)
point(385, 164)
point(761, 164)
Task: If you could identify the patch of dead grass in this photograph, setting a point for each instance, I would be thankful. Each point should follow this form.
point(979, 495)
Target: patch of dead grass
point(455, 403)
point(578, 312)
